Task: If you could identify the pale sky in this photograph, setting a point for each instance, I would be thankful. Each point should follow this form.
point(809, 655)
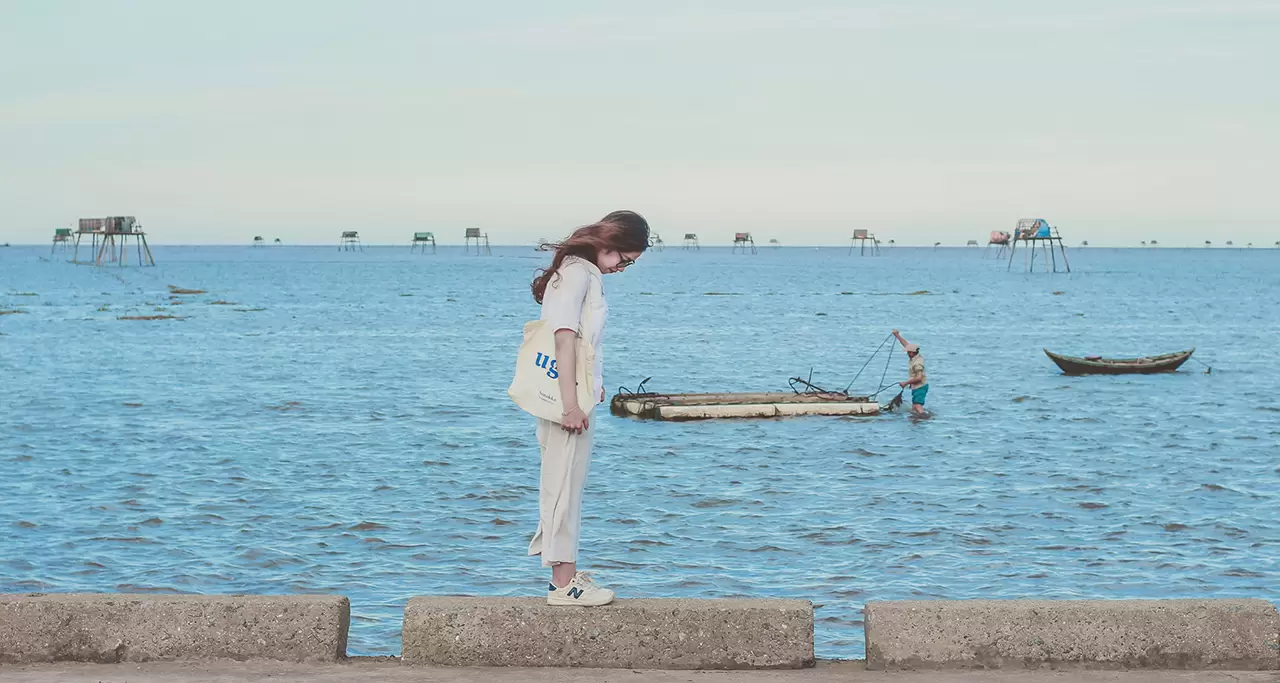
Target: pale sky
point(924, 121)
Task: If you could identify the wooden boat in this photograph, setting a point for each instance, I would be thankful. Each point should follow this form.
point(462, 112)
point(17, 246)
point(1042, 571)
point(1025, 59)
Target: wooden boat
point(1097, 365)
point(765, 404)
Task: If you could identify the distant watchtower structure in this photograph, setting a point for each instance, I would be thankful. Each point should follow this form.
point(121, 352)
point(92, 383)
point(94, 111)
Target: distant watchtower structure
point(655, 241)
point(421, 239)
point(61, 237)
point(1035, 231)
point(998, 238)
point(479, 238)
point(109, 240)
point(350, 241)
point(691, 241)
point(742, 240)
point(860, 239)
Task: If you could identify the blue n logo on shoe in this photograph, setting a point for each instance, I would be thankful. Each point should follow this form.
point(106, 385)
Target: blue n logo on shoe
point(542, 361)
point(551, 588)
point(575, 592)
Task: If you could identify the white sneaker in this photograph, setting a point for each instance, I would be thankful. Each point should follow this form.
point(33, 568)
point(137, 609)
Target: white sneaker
point(581, 591)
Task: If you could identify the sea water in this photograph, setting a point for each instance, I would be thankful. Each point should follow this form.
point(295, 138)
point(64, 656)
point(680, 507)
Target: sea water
point(336, 422)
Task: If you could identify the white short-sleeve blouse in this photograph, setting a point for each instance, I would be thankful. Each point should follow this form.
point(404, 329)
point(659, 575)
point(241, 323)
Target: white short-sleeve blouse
point(575, 290)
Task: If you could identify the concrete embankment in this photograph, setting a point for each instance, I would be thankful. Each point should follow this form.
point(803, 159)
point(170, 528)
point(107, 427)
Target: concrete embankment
point(441, 632)
point(639, 634)
point(137, 628)
point(359, 671)
point(1094, 634)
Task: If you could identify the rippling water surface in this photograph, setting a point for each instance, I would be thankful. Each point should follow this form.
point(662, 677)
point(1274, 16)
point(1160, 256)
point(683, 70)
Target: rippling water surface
point(320, 421)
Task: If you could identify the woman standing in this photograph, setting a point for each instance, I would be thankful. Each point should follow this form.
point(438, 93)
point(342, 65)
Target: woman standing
point(572, 296)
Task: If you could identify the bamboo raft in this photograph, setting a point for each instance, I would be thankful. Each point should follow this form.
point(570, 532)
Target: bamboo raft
point(676, 407)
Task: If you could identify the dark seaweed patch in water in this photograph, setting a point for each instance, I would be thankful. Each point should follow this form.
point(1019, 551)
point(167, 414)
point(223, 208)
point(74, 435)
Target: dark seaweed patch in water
point(1174, 526)
point(123, 539)
point(369, 526)
point(714, 503)
point(647, 542)
point(142, 588)
point(1244, 573)
point(1092, 506)
point(849, 541)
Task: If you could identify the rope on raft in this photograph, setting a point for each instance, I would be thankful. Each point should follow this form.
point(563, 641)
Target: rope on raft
point(639, 388)
point(888, 358)
point(809, 387)
point(873, 355)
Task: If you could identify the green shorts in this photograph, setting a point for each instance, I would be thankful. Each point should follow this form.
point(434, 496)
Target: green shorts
point(918, 394)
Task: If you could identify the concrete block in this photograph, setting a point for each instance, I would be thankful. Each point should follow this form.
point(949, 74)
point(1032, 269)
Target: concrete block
point(1084, 634)
point(628, 634)
point(82, 627)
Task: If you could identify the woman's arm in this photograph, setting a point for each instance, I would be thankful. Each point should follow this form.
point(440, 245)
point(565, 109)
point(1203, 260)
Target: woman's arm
point(562, 306)
point(575, 418)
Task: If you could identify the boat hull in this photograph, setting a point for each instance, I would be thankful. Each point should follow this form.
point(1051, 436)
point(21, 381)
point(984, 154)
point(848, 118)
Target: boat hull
point(1168, 362)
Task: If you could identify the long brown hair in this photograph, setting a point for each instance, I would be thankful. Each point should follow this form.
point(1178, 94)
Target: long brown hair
point(619, 231)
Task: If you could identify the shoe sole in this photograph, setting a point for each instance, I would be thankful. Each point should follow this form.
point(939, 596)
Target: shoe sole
point(571, 602)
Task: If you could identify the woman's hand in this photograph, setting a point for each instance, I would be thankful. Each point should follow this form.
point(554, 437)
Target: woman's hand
point(575, 421)
point(602, 394)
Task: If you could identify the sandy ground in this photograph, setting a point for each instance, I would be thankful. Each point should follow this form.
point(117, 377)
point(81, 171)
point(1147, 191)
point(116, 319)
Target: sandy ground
point(390, 671)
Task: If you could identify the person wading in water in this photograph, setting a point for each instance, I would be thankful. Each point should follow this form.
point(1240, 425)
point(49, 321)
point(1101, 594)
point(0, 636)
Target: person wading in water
point(916, 379)
point(572, 297)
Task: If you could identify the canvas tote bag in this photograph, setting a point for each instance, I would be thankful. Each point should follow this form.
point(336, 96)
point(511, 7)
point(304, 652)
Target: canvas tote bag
point(536, 388)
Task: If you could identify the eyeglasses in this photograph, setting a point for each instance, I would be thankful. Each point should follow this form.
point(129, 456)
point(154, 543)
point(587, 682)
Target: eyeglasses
point(624, 263)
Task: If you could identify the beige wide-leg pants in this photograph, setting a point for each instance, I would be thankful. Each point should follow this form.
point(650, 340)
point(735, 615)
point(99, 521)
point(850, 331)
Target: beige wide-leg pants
point(566, 458)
